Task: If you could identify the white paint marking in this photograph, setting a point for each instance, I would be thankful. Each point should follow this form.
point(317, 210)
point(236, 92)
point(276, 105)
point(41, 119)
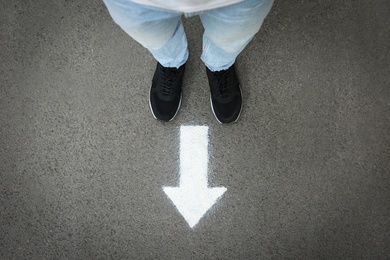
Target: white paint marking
point(193, 198)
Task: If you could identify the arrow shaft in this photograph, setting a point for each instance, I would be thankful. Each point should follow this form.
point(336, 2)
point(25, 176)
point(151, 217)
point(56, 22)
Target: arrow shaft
point(193, 156)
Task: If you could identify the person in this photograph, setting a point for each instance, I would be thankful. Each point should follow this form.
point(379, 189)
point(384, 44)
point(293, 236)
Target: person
point(229, 25)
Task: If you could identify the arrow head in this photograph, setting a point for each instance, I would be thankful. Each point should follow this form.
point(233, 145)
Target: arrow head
point(193, 204)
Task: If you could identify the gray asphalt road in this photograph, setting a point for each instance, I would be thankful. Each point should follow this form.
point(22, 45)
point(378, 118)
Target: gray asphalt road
point(83, 163)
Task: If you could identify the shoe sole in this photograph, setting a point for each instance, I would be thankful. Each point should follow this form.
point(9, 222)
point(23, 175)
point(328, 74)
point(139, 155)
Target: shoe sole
point(239, 114)
point(151, 109)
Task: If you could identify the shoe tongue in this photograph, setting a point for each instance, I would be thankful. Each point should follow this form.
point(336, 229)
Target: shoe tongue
point(170, 70)
point(224, 91)
point(167, 90)
point(169, 87)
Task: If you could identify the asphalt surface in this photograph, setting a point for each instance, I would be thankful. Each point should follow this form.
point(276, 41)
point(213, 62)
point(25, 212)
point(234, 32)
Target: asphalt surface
point(83, 162)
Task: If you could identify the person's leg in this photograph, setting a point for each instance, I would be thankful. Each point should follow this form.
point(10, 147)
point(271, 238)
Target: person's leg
point(229, 29)
point(162, 33)
point(158, 30)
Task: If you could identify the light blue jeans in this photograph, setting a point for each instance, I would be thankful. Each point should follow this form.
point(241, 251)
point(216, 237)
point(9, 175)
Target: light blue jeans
point(227, 30)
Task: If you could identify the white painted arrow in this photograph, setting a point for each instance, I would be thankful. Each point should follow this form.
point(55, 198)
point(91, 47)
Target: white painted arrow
point(193, 198)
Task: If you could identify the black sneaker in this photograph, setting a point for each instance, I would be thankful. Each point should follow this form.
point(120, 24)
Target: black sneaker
point(165, 92)
point(226, 96)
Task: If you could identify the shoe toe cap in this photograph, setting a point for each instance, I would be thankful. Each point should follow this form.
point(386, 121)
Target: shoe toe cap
point(227, 112)
point(166, 110)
